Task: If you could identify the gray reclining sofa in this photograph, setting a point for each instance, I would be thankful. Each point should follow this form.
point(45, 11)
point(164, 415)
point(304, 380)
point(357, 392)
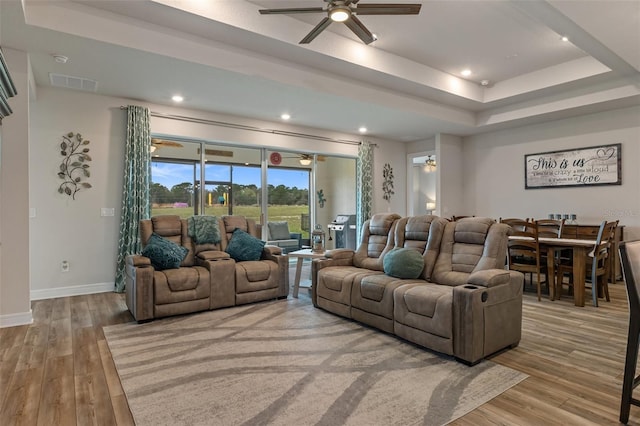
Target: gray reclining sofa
point(463, 301)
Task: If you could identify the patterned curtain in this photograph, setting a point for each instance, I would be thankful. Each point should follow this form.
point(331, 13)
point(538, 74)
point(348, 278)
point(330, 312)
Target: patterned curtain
point(364, 186)
point(135, 191)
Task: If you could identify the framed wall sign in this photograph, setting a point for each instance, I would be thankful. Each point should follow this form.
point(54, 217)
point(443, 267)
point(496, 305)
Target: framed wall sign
point(597, 165)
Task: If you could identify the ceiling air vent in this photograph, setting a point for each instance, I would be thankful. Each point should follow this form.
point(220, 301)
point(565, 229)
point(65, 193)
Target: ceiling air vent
point(70, 82)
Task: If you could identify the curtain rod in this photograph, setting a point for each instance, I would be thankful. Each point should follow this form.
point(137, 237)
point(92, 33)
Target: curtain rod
point(251, 128)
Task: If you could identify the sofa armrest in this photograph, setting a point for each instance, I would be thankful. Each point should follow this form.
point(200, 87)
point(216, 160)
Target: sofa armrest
point(213, 255)
point(338, 257)
point(270, 251)
point(138, 260)
point(274, 254)
point(489, 277)
point(487, 319)
point(139, 287)
point(340, 254)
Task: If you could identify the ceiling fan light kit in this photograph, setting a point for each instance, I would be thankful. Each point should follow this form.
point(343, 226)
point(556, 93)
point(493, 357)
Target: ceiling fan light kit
point(345, 11)
point(339, 13)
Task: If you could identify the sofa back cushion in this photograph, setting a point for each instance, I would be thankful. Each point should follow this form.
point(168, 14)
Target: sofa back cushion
point(377, 239)
point(171, 227)
point(469, 245)
point(424, 234)
point(230, 223)
point(278, 231)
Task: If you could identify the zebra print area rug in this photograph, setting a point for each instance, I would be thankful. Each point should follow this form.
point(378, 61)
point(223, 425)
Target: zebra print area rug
point(288, 363)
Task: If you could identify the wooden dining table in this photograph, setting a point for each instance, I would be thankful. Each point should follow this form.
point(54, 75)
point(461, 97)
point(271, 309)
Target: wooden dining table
point(580, 249)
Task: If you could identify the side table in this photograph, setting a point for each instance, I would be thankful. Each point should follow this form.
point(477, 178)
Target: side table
point(300, 255)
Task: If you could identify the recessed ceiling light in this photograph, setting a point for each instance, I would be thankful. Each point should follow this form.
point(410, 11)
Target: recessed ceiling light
point(362, 129)
point(285, 116)
point(61, 59)
point(177, 98)
point(466, 73)
point(564, 38)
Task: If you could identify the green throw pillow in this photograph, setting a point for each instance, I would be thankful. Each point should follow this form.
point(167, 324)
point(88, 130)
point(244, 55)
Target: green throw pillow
point(244, 246)
point(163, 253)
point(403, 263)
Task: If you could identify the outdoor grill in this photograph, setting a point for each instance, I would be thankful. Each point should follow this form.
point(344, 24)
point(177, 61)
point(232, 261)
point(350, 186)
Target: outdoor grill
point(344, 226)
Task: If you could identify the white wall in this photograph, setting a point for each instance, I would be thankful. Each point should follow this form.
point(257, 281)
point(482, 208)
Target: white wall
point(14, 191)
point(395, 155)
point(67, 229)
point(449, 177)
point(336, 177)
point(494, 171)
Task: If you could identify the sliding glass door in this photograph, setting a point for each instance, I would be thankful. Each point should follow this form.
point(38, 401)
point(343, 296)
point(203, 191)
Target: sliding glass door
point(265, 185)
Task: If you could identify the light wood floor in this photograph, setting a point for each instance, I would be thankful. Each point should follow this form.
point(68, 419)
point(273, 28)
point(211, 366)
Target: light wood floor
point(59, 371)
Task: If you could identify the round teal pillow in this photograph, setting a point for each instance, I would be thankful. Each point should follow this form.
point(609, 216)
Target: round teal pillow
point(403, 263)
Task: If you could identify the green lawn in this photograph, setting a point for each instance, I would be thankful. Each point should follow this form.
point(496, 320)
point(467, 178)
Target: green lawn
point(290, 214)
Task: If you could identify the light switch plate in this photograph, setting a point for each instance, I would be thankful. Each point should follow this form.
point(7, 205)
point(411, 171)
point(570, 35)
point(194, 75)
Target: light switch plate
point(32, 212)
point(107, 211)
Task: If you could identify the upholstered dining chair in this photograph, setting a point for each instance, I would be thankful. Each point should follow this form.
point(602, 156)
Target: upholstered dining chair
point(523, 251)
point(630, 259)
point(597, 264)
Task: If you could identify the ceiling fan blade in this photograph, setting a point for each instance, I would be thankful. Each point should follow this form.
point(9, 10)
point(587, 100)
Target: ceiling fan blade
point(291, 10)
point(162, 142)
point(359, 29)
point(316, 31)
point(388, 9)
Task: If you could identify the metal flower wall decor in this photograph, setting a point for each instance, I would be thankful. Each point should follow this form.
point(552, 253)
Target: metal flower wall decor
point(387, 184)
point(74, 167)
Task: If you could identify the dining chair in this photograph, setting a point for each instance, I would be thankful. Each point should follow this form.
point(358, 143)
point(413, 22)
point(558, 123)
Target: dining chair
point(597, 263)
point(523, 252)
point(551, 228)
point(630, 259)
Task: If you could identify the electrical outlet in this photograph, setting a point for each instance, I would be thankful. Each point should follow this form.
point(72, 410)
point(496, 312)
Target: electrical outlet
point(64, 266)
point(107, 211)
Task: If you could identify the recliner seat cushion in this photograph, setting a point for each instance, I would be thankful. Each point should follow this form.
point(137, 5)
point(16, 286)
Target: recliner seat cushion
point(425, 307)
point(256, 275)
point(181, 285)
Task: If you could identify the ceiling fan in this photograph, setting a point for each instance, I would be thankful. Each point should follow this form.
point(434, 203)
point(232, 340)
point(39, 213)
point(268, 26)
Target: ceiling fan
point(306, 159)
point(345, 11)
point(159, 143)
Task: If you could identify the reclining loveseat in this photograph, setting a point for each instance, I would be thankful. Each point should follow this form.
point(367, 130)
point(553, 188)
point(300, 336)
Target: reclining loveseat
point(208, 277)
point(459, 301)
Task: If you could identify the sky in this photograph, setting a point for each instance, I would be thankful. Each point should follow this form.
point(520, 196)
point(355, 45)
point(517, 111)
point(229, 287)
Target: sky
point(170, 174)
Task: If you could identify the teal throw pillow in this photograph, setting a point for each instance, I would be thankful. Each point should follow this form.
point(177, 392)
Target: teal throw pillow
point(403, 263)
point(163, 253)
point(244, 246)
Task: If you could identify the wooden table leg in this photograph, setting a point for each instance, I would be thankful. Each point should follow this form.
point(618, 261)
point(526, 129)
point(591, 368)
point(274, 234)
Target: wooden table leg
point(296, 282)
point(579, 274)
point(551, 273)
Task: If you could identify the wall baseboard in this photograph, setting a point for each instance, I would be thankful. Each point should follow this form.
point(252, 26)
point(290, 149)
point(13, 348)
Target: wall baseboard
point(12, 320)
point(51, 293)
